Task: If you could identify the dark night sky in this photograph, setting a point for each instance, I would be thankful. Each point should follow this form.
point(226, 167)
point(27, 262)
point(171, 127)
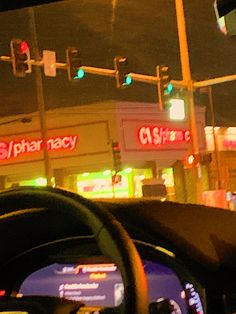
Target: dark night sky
point(144, 31)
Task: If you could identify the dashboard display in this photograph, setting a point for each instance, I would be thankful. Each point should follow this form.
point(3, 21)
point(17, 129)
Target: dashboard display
point(101, 285)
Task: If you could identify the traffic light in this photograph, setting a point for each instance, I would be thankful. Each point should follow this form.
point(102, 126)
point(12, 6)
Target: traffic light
point(116, 156)
point(20, 55)
point(123, 78)
point(164, 85)
point(116, 178)
point(74, 64)
point(191, 160)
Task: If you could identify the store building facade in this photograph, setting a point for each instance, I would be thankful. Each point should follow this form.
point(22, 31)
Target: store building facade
point(80, 151)
point(221, 142)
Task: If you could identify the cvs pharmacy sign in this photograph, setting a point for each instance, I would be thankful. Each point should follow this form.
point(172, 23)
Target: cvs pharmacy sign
point(15, 148)
point(155, 135)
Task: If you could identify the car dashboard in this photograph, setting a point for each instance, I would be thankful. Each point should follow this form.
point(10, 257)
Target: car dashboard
point(66, 269)
point(187, 254)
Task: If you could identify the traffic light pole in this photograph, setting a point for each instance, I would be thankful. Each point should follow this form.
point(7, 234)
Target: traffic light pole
point(40, 98)
point(159, 87)
point(186, 74)
point(216, 148)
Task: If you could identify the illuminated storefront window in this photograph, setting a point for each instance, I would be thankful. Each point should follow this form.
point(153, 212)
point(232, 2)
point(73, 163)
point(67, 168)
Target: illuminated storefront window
point(99, 184)
point(40, 181)
point(168, 177)
point(168, 180)
point(139, 176)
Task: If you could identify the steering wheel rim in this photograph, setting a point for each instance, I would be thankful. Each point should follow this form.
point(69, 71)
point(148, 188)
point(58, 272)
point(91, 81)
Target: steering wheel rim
point(110, 236)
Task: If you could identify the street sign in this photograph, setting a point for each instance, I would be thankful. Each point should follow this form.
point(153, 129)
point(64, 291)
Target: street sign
point(49, 63)
point(177, 109)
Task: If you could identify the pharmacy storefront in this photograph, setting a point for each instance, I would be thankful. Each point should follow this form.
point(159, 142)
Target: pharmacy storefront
point(221, 142)
point(79, 148)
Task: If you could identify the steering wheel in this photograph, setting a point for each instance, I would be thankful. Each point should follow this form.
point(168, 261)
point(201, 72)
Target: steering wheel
point(110, 236)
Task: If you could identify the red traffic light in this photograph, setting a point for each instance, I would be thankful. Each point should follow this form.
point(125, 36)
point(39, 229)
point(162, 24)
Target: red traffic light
point(116, 152)
point(24, 47)
point(116, 178)
point(115, 147)
point(191, 159)
point(20, 55)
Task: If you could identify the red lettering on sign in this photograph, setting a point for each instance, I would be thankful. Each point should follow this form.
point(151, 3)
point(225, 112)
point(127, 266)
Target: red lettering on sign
point(155, 135)
point(230, 143)
point(13, 149)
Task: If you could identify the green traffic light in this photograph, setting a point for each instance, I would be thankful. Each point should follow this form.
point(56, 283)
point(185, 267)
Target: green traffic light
point(169, 88)
point(80, 74)
point(128, 80)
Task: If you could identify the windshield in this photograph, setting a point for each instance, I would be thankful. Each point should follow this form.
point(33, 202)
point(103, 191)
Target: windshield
point(120, 99)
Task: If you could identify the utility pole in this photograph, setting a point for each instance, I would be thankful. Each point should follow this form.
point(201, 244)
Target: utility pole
point(216, 148)
point(40, 97)
point(186, 74)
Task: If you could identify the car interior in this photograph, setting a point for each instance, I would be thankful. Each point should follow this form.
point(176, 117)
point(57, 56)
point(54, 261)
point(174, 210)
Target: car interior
point(63, 253)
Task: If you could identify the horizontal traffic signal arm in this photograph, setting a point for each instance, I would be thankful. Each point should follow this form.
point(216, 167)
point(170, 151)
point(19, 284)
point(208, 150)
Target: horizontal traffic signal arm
point(214, 81)
point(40, 63)
point(149, 79)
